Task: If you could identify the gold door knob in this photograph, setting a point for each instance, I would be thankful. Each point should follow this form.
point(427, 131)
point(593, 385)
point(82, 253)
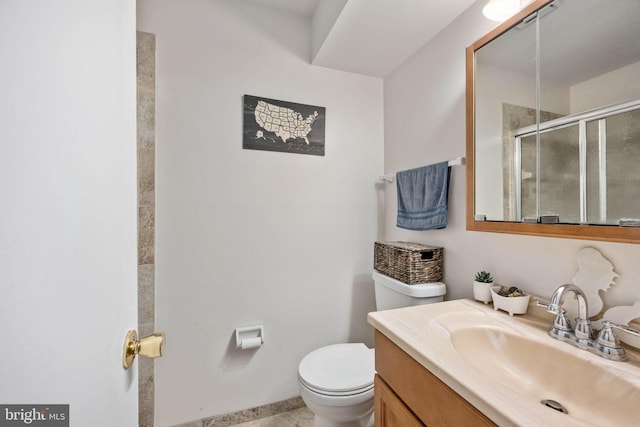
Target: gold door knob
point(151, 346)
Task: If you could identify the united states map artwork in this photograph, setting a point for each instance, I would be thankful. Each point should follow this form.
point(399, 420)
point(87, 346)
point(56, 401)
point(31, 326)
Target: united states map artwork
point(274, 125)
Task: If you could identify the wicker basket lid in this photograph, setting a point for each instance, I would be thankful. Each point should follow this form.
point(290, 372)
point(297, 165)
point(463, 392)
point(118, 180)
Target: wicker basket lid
point(409, 246)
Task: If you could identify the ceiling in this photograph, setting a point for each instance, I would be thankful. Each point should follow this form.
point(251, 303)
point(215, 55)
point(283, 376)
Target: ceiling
point(371, 37)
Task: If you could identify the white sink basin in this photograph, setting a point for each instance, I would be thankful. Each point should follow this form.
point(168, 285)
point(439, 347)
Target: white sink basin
point(590, 392)
point(506, 366)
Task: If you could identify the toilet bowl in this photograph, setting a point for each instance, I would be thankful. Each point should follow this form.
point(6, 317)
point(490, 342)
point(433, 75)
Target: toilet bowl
point(336, 381)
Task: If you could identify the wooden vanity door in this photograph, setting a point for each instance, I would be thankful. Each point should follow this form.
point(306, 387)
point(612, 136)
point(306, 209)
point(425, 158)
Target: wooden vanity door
point(390, 411)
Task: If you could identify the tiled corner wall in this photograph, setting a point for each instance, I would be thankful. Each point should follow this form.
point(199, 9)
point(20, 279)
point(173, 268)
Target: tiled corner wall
point(146, 63)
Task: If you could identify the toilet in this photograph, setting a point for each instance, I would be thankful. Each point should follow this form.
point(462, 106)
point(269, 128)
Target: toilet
point(336, 381)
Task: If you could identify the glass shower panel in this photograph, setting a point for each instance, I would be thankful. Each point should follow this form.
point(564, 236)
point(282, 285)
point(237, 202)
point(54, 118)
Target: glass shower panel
point(560, 173)
point(623, 158)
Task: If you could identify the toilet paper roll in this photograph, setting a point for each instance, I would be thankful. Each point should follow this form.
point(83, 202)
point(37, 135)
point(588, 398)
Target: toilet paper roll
point(251, 343)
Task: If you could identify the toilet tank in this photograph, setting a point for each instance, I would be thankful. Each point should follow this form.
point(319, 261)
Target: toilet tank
point(392, 293)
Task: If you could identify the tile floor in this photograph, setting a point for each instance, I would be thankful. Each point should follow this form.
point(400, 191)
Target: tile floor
point(301, 417)
point(287, 413)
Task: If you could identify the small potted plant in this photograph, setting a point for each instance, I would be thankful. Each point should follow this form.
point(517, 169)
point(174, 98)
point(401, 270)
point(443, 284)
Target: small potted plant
point(482, 287)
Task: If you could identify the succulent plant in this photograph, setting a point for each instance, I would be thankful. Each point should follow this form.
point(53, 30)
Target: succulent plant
point(484, 277)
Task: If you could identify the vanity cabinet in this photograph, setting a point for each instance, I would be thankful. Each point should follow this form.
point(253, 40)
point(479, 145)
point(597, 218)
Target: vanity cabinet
point(408, 395)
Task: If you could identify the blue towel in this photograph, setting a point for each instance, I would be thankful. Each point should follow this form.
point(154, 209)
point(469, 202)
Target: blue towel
point(423, 196)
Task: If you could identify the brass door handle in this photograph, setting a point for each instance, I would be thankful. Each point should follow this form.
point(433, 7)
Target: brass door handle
point(151, 346)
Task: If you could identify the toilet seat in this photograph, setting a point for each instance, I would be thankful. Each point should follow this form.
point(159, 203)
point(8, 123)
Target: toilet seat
point(338, 370)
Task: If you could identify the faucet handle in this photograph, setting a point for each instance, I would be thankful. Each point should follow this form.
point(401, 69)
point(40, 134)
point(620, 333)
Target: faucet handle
point(561, 328)
point(606, 336)
point(607, 324)
point(542, 304)
point(546, 306)
point(609, 344)
point(552, 307)
point(561, 322)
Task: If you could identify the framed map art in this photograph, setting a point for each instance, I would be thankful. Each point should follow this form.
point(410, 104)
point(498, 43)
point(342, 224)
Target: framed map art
point(284, 126)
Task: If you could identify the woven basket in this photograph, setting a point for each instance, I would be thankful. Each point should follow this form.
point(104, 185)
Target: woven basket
point(410, 263)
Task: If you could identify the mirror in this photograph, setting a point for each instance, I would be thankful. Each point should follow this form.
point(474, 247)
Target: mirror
point(553, 122)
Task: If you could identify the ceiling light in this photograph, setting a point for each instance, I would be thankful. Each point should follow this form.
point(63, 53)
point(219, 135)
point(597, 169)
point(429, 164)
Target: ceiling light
point(500, 10)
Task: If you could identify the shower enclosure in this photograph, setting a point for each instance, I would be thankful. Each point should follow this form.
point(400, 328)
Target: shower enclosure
point(583, 168)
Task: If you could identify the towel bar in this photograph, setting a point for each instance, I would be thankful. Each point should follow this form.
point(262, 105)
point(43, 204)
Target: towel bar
point(455, 162)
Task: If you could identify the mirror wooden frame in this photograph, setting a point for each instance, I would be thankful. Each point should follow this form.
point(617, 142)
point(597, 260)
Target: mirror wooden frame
point(570, 231)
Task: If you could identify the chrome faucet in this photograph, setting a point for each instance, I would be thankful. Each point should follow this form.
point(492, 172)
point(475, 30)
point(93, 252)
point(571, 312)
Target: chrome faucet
point(582, 331)
point(605, 345)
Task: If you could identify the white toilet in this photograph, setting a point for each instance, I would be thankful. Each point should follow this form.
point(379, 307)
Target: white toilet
point(336, 381)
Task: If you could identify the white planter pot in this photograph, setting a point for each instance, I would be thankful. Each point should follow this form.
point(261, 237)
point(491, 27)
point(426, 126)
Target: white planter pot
point(482, 291)
point(512, 305)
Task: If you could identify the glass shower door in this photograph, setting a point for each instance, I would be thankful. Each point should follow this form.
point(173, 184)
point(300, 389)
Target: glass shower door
point(555, 190)
point(613, 172)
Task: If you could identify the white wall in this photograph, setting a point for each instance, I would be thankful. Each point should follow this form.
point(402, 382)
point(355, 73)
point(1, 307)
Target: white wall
point(614, 87)
point(68, 216)
point(248, 236)
point(424, 123)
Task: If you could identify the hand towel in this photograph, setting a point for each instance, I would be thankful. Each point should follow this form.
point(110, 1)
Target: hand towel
point(423, 197)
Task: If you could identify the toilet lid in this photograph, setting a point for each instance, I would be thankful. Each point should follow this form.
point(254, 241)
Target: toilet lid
point(338, 368)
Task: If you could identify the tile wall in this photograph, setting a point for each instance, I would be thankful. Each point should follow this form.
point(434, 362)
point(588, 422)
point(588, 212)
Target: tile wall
point(146, 57)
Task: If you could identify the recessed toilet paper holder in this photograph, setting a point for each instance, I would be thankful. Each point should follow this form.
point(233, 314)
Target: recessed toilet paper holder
point(249, 337)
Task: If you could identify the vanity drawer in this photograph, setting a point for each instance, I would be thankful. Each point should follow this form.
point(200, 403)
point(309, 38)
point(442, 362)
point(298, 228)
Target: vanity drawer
point(431, 400)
